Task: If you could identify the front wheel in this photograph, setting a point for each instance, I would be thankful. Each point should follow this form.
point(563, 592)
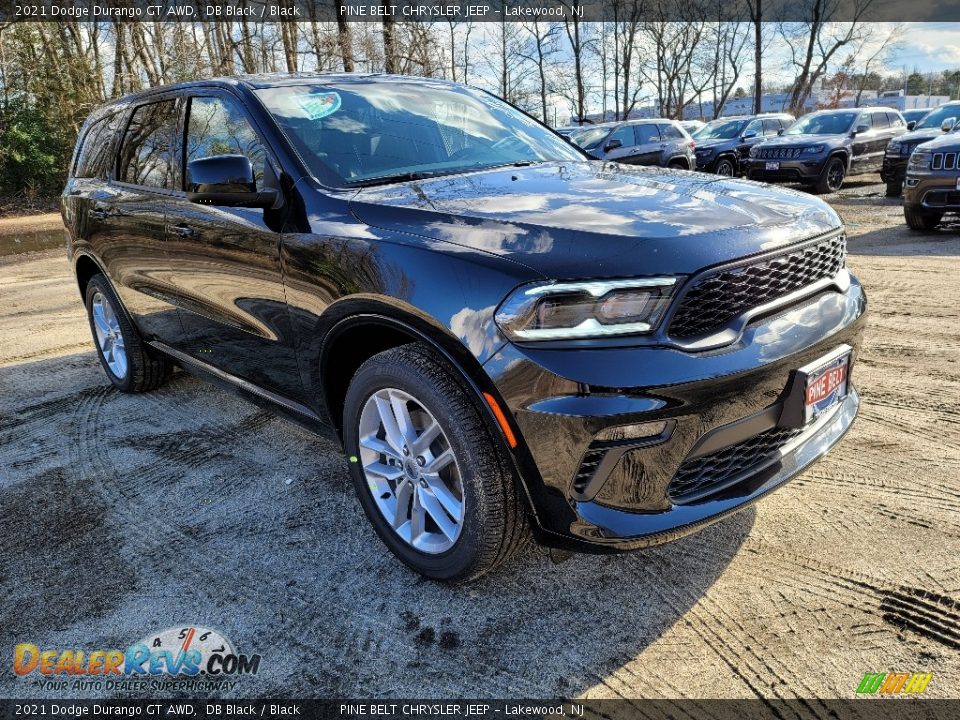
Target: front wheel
point(922, 220)
point(725, 167)
point(431, 479)
point(831, 179)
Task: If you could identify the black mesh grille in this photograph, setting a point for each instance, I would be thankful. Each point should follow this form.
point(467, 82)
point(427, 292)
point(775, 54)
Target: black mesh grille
point(714, 300)
point(779, 153)
point(942, 198)
point(700, 475)
point(591, 460)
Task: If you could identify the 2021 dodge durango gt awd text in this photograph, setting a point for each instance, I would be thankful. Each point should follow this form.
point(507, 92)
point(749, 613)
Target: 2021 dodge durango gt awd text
point(509, 337)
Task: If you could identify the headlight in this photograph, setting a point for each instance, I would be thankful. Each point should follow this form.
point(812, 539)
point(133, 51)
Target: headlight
point(814, 149)
point(705, 152)
point(589, 309)
point(920, 160)
point(754, 151)
point(893, 148)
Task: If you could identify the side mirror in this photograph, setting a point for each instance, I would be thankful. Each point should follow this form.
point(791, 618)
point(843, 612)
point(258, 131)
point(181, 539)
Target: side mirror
point(861, 129)
point(780, 131)
point(948, 124)
point(749, 134)
point(226, 180)
point(911, 125)
point(612, 145)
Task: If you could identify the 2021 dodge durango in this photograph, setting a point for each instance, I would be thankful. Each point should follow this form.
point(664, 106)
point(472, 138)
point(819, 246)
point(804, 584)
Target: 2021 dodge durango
point(821, 149)
point(509, 337)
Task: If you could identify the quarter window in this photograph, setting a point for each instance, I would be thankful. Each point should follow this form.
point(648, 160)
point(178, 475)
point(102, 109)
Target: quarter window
point(217, 126)
point(97, 150)
point(149, 146)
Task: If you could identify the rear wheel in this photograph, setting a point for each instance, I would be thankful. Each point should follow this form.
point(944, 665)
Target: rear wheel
point(831, 179)
point(894, 187)
point(130, 364)
point(431, 479)
point(922, 220)
point(725, 167)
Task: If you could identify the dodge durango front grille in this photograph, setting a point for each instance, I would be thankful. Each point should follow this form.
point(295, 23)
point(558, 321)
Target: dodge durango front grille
point(700, 476)
point(717, 298)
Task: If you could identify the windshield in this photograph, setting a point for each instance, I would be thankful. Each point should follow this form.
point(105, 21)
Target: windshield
point(823, 124)
point(589, 138)
point(357, 133)
point(720, 130)
point(935, 118)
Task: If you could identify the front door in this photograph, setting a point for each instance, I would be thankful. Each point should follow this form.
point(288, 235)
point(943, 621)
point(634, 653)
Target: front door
point(225, 261)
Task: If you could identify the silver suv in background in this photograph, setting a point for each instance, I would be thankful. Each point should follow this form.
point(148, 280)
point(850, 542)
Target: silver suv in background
point(640, 142)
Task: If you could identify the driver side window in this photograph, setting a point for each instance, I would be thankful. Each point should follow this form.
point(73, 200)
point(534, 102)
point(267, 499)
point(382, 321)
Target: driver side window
point(624, 135)
point(218, 127)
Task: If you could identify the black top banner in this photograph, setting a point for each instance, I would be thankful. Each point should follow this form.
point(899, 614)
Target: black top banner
point(479, 10)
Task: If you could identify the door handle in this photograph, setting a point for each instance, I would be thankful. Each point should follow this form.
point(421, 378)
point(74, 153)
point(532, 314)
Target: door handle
point(181, 230)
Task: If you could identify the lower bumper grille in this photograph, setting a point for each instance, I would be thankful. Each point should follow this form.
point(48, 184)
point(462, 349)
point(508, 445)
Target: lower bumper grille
point(942, 198)
point(711, 473)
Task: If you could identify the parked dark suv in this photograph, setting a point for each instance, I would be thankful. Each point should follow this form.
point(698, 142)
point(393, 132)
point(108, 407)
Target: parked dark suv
point(507, 336)
point(723, 146)
point(640, 142)
point(931, 126)
point(932, 185)
point(822, 148)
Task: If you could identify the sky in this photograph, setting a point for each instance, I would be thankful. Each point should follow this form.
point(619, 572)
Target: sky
point(928, 46)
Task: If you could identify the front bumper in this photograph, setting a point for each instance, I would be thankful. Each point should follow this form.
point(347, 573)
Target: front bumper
point(798, 171)
point(697, 404)
point(928, 191)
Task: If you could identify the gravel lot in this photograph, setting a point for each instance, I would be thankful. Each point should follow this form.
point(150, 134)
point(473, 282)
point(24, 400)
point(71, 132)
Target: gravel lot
point(125, 515)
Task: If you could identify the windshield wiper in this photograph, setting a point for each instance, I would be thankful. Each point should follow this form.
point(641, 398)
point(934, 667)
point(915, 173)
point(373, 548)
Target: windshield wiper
point(399, 177)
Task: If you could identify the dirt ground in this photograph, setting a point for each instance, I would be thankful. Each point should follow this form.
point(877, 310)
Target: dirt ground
point(126, 515)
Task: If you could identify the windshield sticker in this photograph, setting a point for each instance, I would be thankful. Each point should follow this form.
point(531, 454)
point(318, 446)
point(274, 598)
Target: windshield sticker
point(320, 105)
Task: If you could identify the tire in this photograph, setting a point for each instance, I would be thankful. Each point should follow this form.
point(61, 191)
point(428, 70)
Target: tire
point(492, 526)
point(921, 220)
point(894, 187)
point(130, 364)
point(832, 176)
point(725, 167)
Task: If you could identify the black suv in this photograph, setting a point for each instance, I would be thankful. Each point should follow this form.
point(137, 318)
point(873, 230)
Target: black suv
point(931, 126)
point(507, 336)
point(822, 148)
point(932, 186)
point(723, 146)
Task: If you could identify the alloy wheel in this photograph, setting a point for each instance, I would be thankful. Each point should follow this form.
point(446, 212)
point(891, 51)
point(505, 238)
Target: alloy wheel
point(109, 335)
point(411, 471)
point(835, 175)
point(725, 168)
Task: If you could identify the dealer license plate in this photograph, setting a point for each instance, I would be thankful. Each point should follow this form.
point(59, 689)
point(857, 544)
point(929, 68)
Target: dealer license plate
point(826, 386)
point(773, 166)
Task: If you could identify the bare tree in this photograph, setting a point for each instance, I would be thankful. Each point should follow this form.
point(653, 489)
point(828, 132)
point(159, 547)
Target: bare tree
point(541, 51)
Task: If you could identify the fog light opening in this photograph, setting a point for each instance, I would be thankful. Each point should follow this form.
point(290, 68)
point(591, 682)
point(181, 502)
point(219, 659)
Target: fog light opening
point(633, 431)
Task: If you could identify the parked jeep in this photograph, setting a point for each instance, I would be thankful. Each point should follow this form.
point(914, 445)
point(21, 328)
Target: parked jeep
point(822, 148)
point(931, 126)
point(932, 185)
point(640, 142)
point(723, 146)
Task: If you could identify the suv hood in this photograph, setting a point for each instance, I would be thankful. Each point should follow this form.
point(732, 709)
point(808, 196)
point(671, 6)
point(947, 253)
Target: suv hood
point(598, 219)
point(949, 142)
point(920, 136)
point(714, 143)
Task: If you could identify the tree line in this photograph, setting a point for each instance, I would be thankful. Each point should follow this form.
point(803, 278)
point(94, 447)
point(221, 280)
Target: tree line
point(53, 74)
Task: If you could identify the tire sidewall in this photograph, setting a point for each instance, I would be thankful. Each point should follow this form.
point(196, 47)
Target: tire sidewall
point(461, 558)
point(721, 163)
point(843, 167)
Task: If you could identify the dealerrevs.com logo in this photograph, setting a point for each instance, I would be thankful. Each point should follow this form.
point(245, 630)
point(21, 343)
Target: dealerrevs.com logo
point(193, 658)
point(895, 683)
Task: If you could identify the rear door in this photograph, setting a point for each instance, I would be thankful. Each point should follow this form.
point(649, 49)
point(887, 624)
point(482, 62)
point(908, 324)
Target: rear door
point(225, 261)
point(647, 139)
point(131, 213)
point(862, 145)
point(673, 143)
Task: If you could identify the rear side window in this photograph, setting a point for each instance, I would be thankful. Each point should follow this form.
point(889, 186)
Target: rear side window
point(217, 126)
point(880, 121)
point(646, 134)
point(670, 132)
point(896, 120)
point(96, 154)
point(148, 154)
